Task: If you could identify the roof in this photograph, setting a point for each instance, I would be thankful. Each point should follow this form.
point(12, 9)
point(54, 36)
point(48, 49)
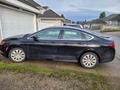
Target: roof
point(28, 5)
point(31, 3)
point(49, 14)
point(112, 17)
point(97, 21)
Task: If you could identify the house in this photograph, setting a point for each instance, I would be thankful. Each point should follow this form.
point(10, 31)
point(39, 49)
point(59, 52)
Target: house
point(49, 18)
point(111, 22)
point(96, 24)
point(18, 17)
point(67, 21)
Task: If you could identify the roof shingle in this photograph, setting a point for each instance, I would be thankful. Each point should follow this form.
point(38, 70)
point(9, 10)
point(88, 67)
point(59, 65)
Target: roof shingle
point(112, 17)
point(31, 3)
point(97, 21)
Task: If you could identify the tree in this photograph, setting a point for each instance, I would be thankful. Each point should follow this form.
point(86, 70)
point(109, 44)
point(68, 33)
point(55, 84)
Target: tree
point(78, 22)
point(102, 15)
point(62, 16)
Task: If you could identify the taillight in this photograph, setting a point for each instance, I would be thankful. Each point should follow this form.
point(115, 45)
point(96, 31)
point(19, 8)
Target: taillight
point(112, 45)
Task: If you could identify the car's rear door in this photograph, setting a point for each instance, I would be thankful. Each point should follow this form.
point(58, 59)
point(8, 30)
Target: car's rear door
point(45, 46)
point(72, 42)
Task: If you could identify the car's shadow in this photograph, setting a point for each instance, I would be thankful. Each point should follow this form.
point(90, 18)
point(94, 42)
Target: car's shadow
point(54, 62)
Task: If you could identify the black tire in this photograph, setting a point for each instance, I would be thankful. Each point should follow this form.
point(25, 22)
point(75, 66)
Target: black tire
point(89, 60)
point(17, 55)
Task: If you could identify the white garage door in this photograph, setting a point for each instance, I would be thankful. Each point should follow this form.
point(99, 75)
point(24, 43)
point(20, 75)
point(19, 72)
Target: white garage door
point(15, 22)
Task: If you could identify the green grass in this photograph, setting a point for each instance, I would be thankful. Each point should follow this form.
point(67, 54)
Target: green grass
point(23, 68)
point(62, 74)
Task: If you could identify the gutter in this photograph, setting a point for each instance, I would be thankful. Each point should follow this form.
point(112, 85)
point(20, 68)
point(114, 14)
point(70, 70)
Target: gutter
point(43, 18)
point(21, 5)
point(1, 30)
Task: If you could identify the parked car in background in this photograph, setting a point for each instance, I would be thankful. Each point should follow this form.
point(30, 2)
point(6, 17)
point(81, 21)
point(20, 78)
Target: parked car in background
point(60, 42)
point(74, 25)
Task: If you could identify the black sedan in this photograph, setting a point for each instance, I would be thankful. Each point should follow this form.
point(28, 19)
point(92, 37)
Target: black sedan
point(60, 42)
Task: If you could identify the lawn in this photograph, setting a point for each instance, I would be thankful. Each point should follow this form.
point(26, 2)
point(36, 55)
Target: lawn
point(96, 81)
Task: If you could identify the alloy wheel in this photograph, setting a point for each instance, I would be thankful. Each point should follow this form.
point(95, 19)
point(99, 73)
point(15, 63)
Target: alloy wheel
point(17, 55)
point(89, 60)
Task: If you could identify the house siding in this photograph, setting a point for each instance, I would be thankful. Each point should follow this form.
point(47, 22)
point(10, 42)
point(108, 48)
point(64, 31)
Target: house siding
point(44, 23)
point(96, 26)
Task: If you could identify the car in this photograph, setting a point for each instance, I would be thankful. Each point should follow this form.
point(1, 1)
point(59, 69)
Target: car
point(74, 25)
point(68, 43)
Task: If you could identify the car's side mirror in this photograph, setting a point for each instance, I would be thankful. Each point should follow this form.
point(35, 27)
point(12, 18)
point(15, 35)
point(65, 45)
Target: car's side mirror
point(35, 38)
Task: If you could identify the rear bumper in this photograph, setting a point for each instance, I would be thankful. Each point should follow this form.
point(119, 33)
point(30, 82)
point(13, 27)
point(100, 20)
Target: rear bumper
point(107, 56)
point(106, 60)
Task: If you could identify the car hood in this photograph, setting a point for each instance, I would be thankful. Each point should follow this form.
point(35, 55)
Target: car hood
point(17, 37)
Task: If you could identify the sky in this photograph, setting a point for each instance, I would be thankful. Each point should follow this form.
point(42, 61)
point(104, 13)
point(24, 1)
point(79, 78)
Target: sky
point(80, 10)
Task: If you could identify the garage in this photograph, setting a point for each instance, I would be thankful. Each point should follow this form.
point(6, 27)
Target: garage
point(14, 22)
point(48, 19)
point(18, 17)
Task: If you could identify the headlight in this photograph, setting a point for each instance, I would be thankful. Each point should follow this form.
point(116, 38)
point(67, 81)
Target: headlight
point(2, 42)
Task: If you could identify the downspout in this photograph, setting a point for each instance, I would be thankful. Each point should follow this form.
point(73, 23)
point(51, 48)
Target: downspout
point(1, 30)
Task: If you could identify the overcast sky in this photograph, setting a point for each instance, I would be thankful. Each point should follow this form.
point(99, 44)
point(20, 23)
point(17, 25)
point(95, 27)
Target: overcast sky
point(81, 10)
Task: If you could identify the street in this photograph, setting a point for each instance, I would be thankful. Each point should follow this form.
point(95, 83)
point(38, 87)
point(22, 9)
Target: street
point(112, 68)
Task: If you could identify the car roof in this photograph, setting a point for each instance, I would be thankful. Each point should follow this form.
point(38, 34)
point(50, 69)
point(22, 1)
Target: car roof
point(69, 27)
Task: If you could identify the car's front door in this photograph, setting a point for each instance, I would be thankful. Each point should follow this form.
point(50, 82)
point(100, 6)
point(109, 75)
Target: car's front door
point(45, 44)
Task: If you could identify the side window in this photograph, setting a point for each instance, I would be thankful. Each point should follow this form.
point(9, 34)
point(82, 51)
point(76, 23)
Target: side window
point(85, 36)
point(48, 34)
point(71, 34)
point(75, 35)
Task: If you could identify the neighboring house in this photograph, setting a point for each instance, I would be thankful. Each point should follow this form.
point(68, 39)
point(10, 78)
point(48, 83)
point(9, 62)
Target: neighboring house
point(67, 21)
point(49, 18)
point(96, 24)
point(111, 22)
point(18, 17)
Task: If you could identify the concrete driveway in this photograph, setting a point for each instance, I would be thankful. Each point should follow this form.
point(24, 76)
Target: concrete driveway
point(112, 68)
point(107, 69)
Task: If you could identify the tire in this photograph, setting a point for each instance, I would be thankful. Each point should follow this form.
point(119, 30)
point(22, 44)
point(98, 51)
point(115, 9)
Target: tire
point(89, 60)
point(17, 55)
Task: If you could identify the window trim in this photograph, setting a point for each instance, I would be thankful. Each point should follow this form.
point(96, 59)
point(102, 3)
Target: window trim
point(60, 36)
point(92, 37)
point(30, 37)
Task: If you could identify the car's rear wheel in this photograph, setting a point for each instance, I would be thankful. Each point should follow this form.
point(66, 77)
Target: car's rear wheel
point(17, 54)
point(89, 60)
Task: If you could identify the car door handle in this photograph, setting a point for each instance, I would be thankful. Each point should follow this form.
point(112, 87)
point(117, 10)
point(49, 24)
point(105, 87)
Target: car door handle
point(78, 43)
point(53, 42)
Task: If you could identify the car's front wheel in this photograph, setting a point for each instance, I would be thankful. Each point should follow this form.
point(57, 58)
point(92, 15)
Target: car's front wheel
point(89, 60)
point(17, 55)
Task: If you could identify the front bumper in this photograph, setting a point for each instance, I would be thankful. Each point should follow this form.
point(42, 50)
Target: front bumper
point(3, 50)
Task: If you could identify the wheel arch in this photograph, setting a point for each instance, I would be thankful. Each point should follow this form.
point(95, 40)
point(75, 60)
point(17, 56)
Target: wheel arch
point(89, 51)
point(11, 47)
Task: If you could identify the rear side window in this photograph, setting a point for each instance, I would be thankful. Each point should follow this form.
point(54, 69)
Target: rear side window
point(75, 35)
